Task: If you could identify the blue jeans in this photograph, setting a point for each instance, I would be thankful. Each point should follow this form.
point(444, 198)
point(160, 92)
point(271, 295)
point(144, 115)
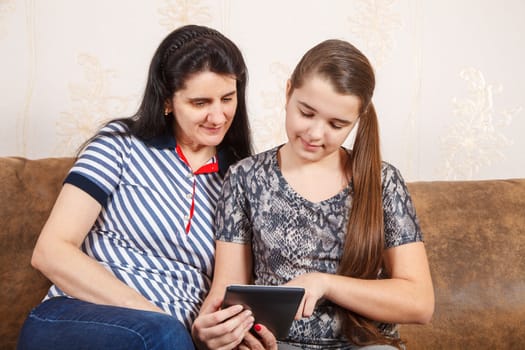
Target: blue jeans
point(64, 323)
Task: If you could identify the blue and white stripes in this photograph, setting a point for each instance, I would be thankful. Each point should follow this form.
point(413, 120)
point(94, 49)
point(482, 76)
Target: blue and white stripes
point(146, 191)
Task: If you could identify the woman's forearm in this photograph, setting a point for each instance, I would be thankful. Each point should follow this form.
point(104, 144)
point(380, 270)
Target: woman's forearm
point(82, 277)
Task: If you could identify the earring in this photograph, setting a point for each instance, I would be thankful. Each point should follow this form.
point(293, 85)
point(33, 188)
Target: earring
point(166, 112)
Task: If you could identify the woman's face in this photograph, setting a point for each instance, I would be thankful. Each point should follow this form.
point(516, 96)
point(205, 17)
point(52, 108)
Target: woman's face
point(204, 109)
point(319, 119)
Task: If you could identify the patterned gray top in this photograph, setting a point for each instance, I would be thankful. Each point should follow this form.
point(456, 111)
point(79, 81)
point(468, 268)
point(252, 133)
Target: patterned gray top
point(291, 236)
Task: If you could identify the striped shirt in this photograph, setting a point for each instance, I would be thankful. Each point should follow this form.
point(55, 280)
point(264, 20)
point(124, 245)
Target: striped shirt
point(155, 229)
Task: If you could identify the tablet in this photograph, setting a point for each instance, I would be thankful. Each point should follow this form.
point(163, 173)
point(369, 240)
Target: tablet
point(272, 306)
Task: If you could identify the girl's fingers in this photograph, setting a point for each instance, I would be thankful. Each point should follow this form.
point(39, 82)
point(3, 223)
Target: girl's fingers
point(300, 312)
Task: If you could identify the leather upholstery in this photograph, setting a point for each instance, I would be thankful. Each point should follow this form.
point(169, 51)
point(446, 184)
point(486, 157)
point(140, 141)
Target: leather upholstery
point(28, 189)
point(474, 233)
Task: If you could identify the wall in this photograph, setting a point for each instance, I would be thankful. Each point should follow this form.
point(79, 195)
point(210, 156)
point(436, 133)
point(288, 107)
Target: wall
point(450, 75)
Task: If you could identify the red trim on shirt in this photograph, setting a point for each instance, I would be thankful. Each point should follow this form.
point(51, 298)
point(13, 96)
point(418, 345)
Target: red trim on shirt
point(212, 167)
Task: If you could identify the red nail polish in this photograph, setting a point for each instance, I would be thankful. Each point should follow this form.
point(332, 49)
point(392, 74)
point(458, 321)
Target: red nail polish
point(257, 327)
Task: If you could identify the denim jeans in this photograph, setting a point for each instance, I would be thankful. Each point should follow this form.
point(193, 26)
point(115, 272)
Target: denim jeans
point(65, 323)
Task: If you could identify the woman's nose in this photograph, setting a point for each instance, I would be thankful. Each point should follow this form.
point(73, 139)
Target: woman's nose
point(216, 114)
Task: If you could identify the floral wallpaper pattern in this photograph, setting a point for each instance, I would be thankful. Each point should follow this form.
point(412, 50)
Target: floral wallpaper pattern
point(93, 102)
point(269, 125)
point(64, 73)
point(476, 138)
point(7, 7)
point(374, 22)
point(179, 12)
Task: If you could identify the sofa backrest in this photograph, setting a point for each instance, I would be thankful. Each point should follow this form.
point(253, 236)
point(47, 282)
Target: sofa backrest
point(474, 233)
point(28, 189)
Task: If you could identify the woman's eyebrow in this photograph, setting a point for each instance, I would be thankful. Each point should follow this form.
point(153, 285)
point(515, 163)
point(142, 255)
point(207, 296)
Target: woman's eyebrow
point(231, 93)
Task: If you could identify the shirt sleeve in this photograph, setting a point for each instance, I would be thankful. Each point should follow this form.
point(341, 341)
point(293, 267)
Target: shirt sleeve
point(98, 169)
point(232, 215)
point(401, 222)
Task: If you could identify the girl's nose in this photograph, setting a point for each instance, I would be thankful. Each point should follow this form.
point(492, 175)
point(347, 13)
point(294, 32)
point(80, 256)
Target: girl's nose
point(316, 130)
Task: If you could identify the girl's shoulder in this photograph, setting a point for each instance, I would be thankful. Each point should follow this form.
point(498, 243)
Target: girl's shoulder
point(392, 181)
point(390, 173)
point(259, 161)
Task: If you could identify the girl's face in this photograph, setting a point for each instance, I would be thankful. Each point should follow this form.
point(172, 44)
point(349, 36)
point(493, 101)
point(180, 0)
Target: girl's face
point(319, 119)
point(204, 109)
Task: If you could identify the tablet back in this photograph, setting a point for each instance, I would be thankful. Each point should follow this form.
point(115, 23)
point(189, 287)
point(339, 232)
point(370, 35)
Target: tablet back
point(272, 306)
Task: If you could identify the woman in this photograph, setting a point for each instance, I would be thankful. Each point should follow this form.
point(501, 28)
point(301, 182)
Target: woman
point(338, 222)
point(129, 243)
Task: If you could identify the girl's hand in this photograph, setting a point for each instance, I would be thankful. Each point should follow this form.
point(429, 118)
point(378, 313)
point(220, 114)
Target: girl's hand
point(221, 329)
point(315, 285)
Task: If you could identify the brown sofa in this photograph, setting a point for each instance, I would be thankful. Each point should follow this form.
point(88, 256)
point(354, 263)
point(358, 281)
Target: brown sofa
point(474, 232)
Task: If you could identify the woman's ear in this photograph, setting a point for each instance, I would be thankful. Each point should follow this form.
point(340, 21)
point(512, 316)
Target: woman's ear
point(167, 107)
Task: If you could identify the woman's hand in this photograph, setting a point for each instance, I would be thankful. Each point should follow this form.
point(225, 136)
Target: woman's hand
point(315, 286)
point(221, 329)
point(265, 340)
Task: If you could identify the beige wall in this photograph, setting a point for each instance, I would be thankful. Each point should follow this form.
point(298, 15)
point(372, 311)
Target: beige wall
point(451, 79)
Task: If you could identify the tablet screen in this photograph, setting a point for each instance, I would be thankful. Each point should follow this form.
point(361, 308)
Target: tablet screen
point(272, 306)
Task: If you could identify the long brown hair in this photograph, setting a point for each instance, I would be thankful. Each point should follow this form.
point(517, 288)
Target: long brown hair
point(350, 73)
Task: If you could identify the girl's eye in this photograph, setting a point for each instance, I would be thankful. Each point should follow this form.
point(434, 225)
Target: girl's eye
point(227, 99)
point(336, 126)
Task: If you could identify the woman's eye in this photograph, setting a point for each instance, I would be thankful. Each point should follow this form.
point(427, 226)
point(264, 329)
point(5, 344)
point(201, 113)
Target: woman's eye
point(306, 114)
point(227, 99)
point(336, 126)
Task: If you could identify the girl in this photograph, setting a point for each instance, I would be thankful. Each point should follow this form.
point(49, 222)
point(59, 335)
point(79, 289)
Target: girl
point(338, 222)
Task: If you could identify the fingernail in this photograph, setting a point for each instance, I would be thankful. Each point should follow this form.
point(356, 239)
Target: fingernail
point(257, 327)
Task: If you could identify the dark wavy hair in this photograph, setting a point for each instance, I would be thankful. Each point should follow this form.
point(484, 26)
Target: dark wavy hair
point(188, 50)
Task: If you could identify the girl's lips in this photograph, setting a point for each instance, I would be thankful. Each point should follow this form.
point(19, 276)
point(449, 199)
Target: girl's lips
point(310, 146)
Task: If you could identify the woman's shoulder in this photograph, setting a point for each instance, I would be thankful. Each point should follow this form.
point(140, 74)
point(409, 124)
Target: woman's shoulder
point(113, 136)
point(115, 128)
